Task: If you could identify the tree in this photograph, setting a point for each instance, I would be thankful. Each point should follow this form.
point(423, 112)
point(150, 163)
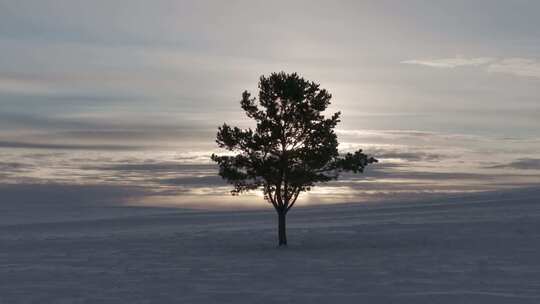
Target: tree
point(292, 147)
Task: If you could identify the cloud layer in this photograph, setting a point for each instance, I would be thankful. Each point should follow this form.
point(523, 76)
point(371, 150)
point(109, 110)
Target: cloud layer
point(130, 93)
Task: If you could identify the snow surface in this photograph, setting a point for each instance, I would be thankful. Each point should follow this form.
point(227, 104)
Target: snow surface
point(471, 249)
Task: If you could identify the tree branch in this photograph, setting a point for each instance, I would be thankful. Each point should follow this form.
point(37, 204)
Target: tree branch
point(272, 200)
point(293, 200)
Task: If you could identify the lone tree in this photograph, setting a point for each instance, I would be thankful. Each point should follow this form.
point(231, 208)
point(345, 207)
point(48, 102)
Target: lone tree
point(292, 148)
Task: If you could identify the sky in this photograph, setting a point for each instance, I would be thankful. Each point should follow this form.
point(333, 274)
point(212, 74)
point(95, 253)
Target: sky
point(127, 95)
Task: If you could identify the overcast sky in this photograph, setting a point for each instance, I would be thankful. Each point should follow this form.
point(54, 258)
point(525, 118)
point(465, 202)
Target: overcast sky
point(162, 75)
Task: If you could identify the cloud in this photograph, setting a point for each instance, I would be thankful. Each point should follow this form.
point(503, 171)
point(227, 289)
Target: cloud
point(12, 166)
point(404, 174)
point(451, 62)
point(195, 181)
point(169, 173)
point(157, 167)
point(364, 133)
point(382, 153)
point(48, 146)
point(522, 164)
point(23, 86)
point(516, 66)
point(8, 169)
point(43, 193)
point(99, 132)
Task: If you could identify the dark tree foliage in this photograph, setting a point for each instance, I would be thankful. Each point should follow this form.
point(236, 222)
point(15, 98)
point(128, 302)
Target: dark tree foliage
point(292, 147)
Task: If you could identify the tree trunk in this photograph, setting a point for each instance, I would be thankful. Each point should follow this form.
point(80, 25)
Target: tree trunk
point(282, 233)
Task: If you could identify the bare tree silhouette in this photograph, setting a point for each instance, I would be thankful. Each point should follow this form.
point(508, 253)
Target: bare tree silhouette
point(292, 148)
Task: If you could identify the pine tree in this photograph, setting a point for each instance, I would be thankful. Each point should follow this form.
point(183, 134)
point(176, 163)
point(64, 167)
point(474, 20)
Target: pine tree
point(292, 147)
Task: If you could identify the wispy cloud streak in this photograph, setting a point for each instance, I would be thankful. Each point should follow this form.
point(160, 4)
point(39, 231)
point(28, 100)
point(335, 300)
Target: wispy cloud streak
point(517, 66)
point(451, 62)
point(520, 164)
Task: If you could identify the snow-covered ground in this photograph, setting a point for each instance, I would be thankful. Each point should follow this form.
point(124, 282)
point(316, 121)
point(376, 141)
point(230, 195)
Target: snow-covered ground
point(481, 248)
